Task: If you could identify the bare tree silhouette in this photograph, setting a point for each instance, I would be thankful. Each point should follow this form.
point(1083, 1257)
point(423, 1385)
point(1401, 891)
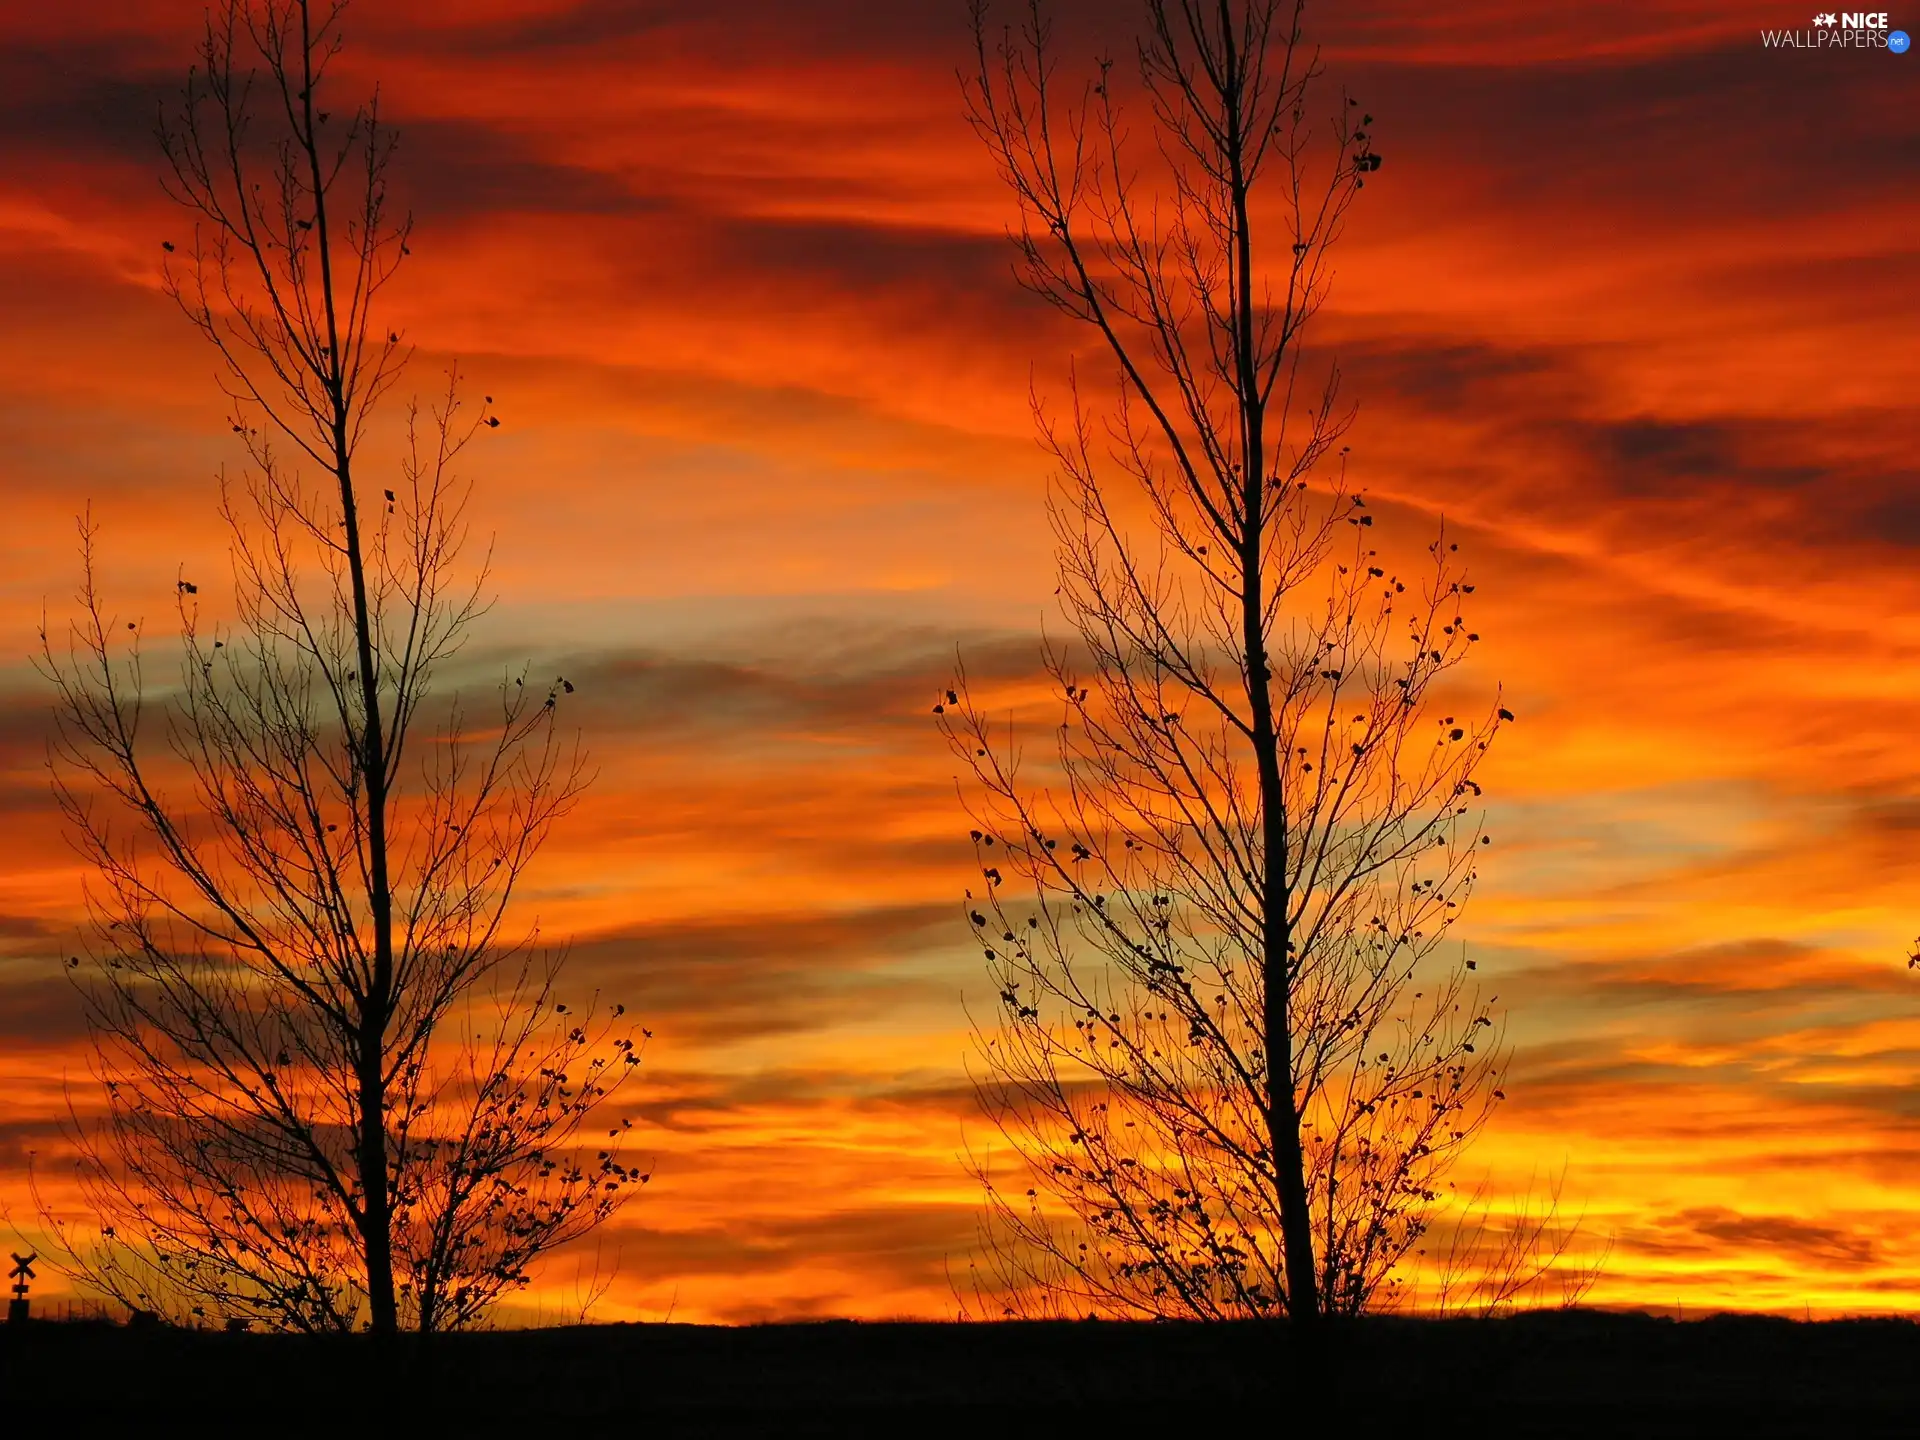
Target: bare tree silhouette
point(339, 1088)
point(1228, 1051)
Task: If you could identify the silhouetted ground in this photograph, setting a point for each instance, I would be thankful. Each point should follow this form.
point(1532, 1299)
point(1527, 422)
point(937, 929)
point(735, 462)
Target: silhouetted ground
point(1581, 1373)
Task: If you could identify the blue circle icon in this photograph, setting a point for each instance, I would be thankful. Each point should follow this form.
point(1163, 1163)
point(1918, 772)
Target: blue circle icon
point(1898, 42)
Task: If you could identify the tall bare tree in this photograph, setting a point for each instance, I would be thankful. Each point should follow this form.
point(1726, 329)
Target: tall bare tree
point(339, 1088)
point(1229, 1048)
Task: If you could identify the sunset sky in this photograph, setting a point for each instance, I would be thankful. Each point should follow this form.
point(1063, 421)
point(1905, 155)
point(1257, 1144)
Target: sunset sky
point(1632, 303)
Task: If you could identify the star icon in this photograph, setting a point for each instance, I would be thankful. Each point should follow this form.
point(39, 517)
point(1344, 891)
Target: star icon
point(1826, 18)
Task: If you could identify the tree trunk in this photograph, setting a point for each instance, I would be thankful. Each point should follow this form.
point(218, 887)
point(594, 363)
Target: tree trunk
point(376, 1201)
point(376, 1231)
point(377, 1003)
point(1283, 1118)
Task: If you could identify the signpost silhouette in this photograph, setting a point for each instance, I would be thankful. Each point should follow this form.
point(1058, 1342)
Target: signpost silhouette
point(21, 1275)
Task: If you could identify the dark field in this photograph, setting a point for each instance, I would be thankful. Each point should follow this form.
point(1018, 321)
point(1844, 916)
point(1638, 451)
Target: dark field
point(1550, 1374)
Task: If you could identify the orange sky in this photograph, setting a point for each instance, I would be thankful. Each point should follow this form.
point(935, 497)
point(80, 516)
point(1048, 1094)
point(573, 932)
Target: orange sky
point(1632, 303)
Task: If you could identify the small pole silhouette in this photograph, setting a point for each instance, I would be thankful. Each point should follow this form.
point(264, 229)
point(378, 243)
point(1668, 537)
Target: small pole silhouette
point(21, 1275)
